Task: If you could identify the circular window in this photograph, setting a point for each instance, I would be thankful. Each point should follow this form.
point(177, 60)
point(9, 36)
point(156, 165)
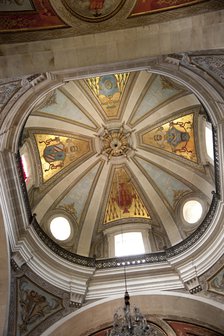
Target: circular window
point(192, 211)
point(60, 228)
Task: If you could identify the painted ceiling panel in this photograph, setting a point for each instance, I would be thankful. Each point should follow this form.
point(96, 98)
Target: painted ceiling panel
point(175, 136)
point(34, 305)
point(124, 201)
point(216, 283)
point(185, 329)
point(170, 187)
point(57, 152)
point(7, 91)
point(61, 106)
point(152, 6)
point(108, 90)
point(159, 91)
point(75, 200)
point(28, 15)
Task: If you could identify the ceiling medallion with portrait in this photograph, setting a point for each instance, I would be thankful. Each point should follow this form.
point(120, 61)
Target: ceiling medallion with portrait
point(93, 10)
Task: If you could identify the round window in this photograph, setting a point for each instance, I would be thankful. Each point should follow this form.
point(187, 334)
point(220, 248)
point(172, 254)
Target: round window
point(60, 228)
point(192, 211)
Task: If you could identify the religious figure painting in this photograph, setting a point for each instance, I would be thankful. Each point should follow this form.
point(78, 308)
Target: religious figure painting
point(93, 10)
point(34, 305)
point(124, 201)
point(152, 6)
point(216, 283)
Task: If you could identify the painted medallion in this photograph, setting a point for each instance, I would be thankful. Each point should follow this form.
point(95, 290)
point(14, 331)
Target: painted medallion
point(93, 10)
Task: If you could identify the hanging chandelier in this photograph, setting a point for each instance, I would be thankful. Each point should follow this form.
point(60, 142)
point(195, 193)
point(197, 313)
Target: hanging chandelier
point(127, 323)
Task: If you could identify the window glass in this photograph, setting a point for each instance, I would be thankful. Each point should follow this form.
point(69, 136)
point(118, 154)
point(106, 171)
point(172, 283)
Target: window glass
point(192, 211)
point(209, 142)
point(129, 243)
point(60, 228)
point(25, 167)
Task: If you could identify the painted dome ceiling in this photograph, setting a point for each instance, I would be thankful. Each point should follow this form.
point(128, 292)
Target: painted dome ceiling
point(116, 153)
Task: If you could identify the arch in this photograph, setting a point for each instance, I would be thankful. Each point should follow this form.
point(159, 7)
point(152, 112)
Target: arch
point(4, 277)
point(185, 307)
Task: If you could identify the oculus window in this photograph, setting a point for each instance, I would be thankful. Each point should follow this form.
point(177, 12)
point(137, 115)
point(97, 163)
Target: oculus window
point(60, 228)
point(192, 211)
point(209, 142)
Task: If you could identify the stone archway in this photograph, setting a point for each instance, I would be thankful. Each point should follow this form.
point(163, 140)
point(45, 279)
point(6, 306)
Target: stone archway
point(158, 307)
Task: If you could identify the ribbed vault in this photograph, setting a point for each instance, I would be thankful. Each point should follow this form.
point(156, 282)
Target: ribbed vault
point(117, 149)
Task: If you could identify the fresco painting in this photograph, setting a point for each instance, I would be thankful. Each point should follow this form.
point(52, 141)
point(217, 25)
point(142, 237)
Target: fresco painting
point(93, 10)
point(7, 91)
point(57, 152)
point(28, 15)
point(216, 283)
point(108, 90)
point(171, 188)
point(124, 200)
point(152, 6)
point(175, 136)
point(159, 332)
point(16, 5)
point(59, 102)
point(34, 305)
point(75, 200)
point(187, 329)
point(159, 91)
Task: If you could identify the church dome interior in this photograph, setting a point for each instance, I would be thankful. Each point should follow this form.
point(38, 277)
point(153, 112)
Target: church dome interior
point(123, 153)
point(111, 174)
